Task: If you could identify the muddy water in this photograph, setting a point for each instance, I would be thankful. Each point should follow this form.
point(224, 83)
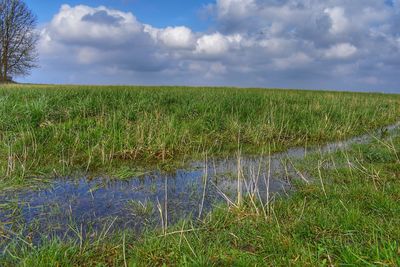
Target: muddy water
point(71, 207)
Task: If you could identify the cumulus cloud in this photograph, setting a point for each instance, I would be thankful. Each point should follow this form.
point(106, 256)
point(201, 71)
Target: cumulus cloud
point(83, 25)
point(339, 22)
point(172, 37)
point(343, 50)
point(217, 44)
point(235, 8)
point(86, 35)
point(291, 43)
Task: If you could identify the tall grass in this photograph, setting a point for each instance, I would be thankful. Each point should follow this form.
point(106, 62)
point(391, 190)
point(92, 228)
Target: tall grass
point(347, 215)
point(48, 129)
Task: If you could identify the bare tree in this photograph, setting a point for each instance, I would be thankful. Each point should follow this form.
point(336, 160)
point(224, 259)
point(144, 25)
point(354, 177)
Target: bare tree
point(18, 39)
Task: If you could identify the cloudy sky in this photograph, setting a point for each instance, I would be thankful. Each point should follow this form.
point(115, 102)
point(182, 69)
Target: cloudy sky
point(314, 44)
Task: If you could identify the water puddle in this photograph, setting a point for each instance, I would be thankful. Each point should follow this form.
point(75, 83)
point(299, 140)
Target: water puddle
point(71, 207)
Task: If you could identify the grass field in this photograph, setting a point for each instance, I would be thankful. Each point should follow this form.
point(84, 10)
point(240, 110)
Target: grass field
point(348, 215)
point(59, 130)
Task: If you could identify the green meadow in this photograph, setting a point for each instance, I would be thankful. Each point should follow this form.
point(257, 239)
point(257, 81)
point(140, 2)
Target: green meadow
point(59, 130)
point(349, 213)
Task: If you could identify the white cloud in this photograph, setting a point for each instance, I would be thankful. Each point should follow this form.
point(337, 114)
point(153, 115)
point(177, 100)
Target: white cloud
point(82, 24)
point(341, 51)
point(250, 43)
point(235, 8)
point(214, 44)
point(177, 37)
point(173, 37)
point(340, 22)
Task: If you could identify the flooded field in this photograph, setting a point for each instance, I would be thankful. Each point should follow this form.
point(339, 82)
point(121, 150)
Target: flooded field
point(69, 207)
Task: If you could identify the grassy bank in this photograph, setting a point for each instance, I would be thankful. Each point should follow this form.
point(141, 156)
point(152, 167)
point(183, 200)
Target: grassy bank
point(57, 130)
point(348, 215)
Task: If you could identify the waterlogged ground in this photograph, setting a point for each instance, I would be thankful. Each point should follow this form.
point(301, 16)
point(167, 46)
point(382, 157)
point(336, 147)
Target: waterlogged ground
point(70, 207)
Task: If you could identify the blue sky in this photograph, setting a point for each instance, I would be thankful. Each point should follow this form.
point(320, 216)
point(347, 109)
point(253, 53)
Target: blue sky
point(159, 13)
point(313, 44)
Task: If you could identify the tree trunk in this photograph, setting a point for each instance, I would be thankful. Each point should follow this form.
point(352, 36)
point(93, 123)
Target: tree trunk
point(1, 72)
point(5, 64)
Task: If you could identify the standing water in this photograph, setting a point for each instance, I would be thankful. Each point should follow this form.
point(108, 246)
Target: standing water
point(68, 206)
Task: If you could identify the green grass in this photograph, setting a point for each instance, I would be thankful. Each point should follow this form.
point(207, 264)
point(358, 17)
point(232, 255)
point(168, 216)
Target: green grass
point(348, 216)
point(118, 131)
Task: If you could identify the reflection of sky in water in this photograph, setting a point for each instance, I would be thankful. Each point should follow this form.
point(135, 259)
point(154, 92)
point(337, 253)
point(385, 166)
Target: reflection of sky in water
point(100, 203)
point(96, 203)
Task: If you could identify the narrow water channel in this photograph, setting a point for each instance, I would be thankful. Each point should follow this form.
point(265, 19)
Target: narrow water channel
point(69, 206)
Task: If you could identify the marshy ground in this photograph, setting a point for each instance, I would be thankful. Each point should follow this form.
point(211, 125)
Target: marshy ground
point(190, 176)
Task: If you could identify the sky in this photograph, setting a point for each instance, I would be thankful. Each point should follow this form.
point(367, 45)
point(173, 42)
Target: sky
point(309, 44)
